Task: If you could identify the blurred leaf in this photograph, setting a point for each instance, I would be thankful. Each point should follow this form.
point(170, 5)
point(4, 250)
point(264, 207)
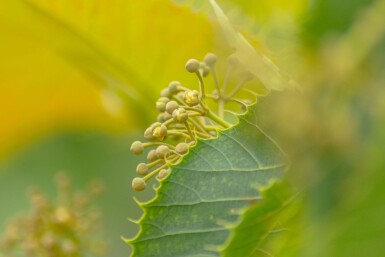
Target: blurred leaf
point(266, 227)
point(58, 56)
point(197, 204)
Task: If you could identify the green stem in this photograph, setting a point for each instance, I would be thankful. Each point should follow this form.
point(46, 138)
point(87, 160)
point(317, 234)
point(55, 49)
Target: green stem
point(218, 120)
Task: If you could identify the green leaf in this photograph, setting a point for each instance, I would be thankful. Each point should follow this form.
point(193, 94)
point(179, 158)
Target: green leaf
point(196, 206)
point(266, 227)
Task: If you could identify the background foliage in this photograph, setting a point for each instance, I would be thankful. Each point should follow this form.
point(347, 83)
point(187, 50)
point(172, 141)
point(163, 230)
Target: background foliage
point(78, 80)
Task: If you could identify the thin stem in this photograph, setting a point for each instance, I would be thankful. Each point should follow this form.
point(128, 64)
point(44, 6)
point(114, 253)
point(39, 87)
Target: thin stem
point(201, 85)
point(226, 78)
point(238, 87)
point(218, 120)
point(216, 81)
point(189, 130)
point(198, 126)
point(154, 172)
point(154, 163)
point(177, 133)
point(157, 143)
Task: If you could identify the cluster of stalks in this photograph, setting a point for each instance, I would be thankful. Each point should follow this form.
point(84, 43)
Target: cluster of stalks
point(184, 116)
point(62, 229)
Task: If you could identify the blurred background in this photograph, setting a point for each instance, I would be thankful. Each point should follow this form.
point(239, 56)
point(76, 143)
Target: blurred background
point(79, 79)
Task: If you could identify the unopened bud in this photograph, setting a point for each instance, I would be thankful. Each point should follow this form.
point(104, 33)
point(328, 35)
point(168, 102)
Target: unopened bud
point(173, 86)
point(163, 173)
point(171, 106)
point(161, 103)
point(192, 65)
point(137, 148)
point(151, 156)
point(180, 115)
point(205, 71)
point(142, 169)
point(165, 93)
point(191, 98)
point(166, 116)
point(182, 148)
point(210, 59)
point(162, 151)
point(148, 134)
point(138, 184)
point(159, 132)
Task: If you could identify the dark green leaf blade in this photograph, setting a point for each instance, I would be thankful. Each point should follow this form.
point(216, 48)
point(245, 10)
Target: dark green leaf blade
point(206, 192)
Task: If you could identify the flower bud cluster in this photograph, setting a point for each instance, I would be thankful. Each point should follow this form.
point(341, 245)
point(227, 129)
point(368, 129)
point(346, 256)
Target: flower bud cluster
point(66, 228)
point(183, 117)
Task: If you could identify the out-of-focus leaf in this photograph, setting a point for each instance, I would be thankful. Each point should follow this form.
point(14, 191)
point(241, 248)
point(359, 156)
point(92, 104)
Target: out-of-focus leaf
point(266, 227)
point(58, 56)
point(252, 61)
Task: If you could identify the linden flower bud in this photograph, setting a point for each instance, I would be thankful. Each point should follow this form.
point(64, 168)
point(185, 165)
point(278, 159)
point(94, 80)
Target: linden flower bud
point(160, 117)
point(165, 93)
point(142, 169)
point(191, 98)
point(138, 184)
point(182, 148)
point(210, 59)
point(173, 86)
point(192, 65)
point(205, 71)
point(159, 131)
point(166, 116)
point(137, 148)
point(171, 106)
point(161, 103)
point(151, 156)
point(180, 115)
point(163, 173)
point(162, 151)
point(148, 134)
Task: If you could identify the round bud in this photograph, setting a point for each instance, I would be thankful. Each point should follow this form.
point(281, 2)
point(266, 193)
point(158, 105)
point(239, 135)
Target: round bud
point(191, 98)
point(138, 184)
point(163, 173)
point(148, 134)
point(151, 156)
point(142, 169)
point(180, 115)
point(137, 148)
point(160, 117)
point(159, 132)
point(161, 103)
point(192, 65)
point(173, 86)
point(182, 148)
point(171, 106)
point(210, 59)
point(165, 93)
point(162, 151)
point(166, 116)
point(205, 71)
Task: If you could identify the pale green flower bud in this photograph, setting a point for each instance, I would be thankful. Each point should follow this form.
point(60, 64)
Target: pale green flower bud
point(173, 86)
point(142, 169)
point(192, 65)
point(151, 156)
point(191, 98)
point(182, 148)
point(137, 148)
point(138, 184)
point(161, 103)
point(171, 106)
point(180, 115)
point(210, 59)
point(162, 151)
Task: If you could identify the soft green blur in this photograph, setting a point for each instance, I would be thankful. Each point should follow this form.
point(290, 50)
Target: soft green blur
point(78, 80)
